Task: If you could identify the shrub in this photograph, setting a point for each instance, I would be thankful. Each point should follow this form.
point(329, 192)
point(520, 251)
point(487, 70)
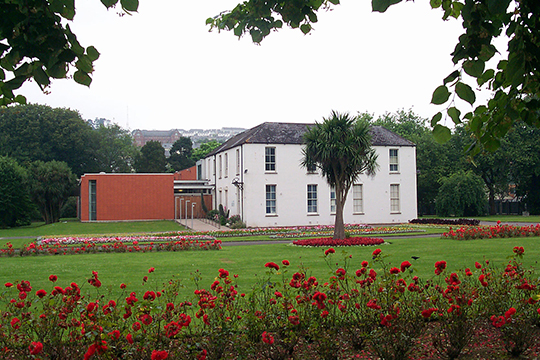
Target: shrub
point(472, 222)
point(461, 194)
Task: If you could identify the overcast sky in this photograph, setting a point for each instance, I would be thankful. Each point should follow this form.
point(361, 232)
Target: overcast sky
point(162, 69)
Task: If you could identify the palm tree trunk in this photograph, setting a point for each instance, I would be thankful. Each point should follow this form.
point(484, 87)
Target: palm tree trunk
point(339, 226)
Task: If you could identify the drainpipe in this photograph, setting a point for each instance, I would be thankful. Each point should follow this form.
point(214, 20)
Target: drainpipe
point(242, 181)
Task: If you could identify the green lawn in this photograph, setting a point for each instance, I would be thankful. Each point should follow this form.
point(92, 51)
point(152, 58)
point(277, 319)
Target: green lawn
point(248, 261)
point(75, 227)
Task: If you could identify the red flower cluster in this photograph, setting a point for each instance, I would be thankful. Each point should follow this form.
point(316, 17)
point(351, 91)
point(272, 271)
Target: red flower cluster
point(439, 267)
point(159, 355)
point(267, 338)
point(272, 265)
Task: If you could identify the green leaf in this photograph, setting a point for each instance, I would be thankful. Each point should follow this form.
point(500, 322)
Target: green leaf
point(84, 64)
point(58, 70)
point(41, 76)
point(305, 28)
point(441, 134)
point(498, 6)
point(490, 143)
point(465, 92)
point(82, 78)
point(256, 35)
point(20, 99)
point(435, 3)
point(130, 5)
point(436, 118)
point(312, 17)
point(382, 5)
point(92, 53)
point(238, 31)
point(15, 83)
point(454, 114)
point(440, 95)
point(475, 124)
point(335, 2)
point(2, 75)
point(453, 76)
point(209, 21)
point(474, 68)
point(487, 52)
point(486, 76)
point(109, 3)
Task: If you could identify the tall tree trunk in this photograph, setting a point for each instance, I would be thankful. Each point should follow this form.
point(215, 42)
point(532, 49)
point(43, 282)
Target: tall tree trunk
point(339, 226)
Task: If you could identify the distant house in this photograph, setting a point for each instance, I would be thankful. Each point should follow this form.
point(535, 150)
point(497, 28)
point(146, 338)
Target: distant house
point(257, 175)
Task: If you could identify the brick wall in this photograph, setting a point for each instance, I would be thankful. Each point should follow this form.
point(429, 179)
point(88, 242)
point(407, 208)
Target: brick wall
point(129, 196)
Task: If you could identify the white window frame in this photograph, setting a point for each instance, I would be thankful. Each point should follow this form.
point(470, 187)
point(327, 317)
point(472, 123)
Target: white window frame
point(393, 159)
point(271, 200)
point(358, 199)
point(226, 159)
point(395, 207)
point(270, 159)
point(332, 200)
point(237, 161)
point(312, 206)
point(220, 164)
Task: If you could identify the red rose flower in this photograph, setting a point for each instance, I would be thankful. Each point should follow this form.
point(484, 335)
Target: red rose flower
point(136, 326)
point(295, 320)
point(223, 273)
point(267, 338)
point(272, 265)
point(35, 347)
point(405, 265)
point(329, 251)
point(376, 252)
point(15, 323)
point(53, 278)
point(508, 314)
point(285, 262)
point(122, 286)
point(478, 265)
point(41, 293)
point(151, 270)
point(365, 263)
point(439, 267)
point(8, 284)
point(394, 270)
point(129, 338)
point(159, 355)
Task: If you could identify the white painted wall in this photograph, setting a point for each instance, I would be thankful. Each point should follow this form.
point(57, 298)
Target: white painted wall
point(291, 182)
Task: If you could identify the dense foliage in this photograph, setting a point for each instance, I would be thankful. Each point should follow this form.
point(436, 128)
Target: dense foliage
point(36, 43)
point(445, 221)
point(15, 204)
point(461, 194)
point(151, 158)
point(180, 157)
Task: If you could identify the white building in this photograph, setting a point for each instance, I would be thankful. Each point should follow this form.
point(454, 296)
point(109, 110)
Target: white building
point(257, 175)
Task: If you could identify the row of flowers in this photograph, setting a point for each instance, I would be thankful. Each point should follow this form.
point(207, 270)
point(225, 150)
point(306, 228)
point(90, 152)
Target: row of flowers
point(134, 239)
point(378, 230)
point(90, 247)
point(425, 221)
point(288, 314)
point(328, 241)
point(490, 232)
point(273, 230)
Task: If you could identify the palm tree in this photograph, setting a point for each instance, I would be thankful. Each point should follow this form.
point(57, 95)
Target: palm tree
point(340, 147)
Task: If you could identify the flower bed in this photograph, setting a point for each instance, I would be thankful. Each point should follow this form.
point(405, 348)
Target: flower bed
point(69, 246)
point(120, 239)
point(328, 241)
point(488, 312)
point(378, 230)
point(490, 232)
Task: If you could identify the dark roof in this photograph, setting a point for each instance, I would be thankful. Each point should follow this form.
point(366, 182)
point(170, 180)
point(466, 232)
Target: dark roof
point(293, 133)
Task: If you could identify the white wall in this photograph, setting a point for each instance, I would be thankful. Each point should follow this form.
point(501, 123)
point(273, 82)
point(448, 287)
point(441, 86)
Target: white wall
point(291, 182)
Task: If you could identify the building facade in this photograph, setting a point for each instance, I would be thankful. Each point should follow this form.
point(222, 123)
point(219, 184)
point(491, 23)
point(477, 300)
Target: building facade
point(257, 175)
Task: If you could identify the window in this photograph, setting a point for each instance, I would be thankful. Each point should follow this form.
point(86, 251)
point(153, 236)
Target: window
point(394, 161)
point(332, 201)
point(394, 198)
point(312, 198)
point(270, 159)
point(358, 200)
point(220, 164)
point(270, 199)
point(226, 164)
point(237, 161)
point(92, 211)
point(214, 167)
point(199, 172)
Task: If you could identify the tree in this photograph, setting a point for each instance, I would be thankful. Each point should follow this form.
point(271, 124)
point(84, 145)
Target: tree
point(37, 43)
point(340, 147)
point(39, 132)
point(204, 149)
point(151, 158)
point(514, 82)
point(523, 150)
point(51, 183)
point(114, 149)
point(180, 154)
point(15, 204)
point(461, 194)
